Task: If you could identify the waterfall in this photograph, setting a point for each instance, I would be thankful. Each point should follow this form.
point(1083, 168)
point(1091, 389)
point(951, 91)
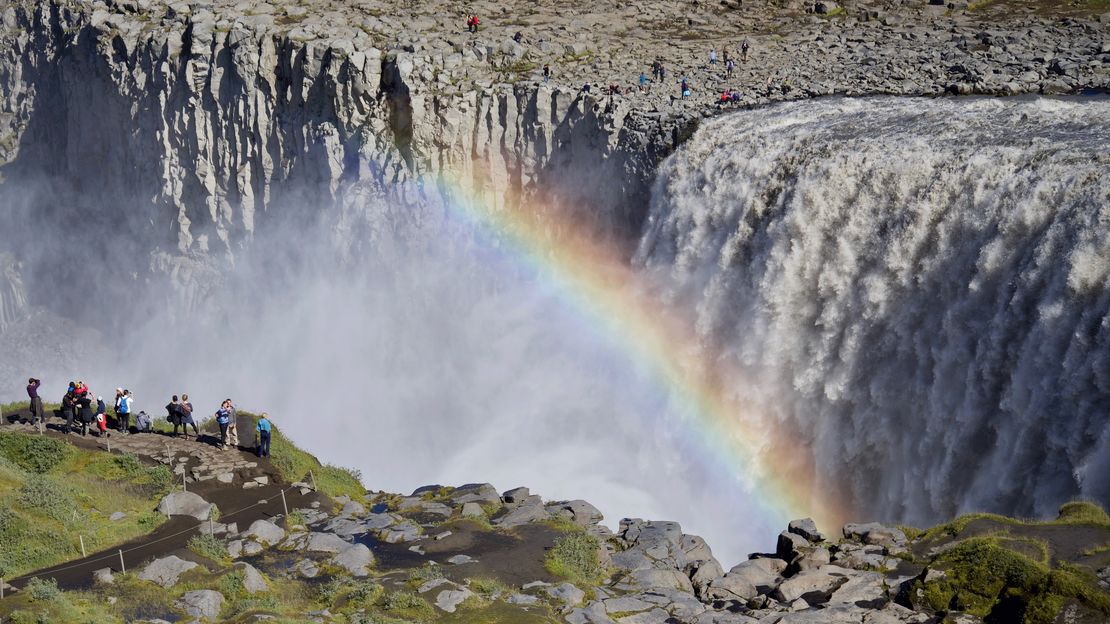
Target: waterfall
point(919, 288)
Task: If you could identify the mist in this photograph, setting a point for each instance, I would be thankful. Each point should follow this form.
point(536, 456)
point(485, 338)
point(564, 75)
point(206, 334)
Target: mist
point(401, 341)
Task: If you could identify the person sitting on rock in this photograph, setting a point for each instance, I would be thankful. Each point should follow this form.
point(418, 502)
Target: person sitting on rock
point(263, 428)
point(186, 409)
point(143, 422)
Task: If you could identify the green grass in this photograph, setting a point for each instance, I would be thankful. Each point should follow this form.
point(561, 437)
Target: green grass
point(574, 558)
point(985, 578)
point(487, 587)
point(423, 574)
point(294, 465)
point(209, 546)
point(407, 604)
point(44, 516)
point(34, 453)
point(1072, 513)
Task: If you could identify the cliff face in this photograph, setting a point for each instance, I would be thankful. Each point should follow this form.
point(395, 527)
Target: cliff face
point(192, 134)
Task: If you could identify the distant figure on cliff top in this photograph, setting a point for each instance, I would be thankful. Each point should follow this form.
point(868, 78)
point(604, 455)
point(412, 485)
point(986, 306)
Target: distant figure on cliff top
point(712, 57)
point(187, 417)
point(472, 24)
point(643, 81)
point(263, 428)
point(38, 418)
point(744, 51)
point(546, 72)
point(728, 68)
point(684, 89)
point(518, 37)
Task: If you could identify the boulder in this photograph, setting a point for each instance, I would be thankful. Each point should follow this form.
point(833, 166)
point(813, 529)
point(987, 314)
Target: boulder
point(791, 546)
point(307, 568)
point(567, 594)
point(515, 496)
point(356, 559)
point(325, 543)
point(117, 516)
point(265, 532)
point(253, 581)
point(202, 603)
point(166, 571)
point(531, 510)
point(522, 599)
point(473, 510)
point(824, 580)
point(481, 493)
point(103, 576)
point(353, 508)
point(578, 511)
point(449, 599)
point(814, 559)
point(731, 587)
point(875, 534)
point(185, 504)
point(807, 528)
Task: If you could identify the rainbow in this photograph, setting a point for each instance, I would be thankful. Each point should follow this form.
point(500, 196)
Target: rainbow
point(596, 280)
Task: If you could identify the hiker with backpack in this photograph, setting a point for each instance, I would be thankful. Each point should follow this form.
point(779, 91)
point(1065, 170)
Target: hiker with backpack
point(123, 411)
point(173, 415)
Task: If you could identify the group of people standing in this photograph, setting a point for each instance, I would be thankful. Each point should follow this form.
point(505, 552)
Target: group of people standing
point(79, 407)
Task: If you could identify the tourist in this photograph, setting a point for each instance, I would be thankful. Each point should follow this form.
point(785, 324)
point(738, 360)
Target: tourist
point(223, 419)
point(518, 37)
point(173, 414)
point(263, 428)
point(546, 73)
point(123, 411)
point(143, 422)
point(232, 426)
point(69, 408)
point(744, 51)
point(187, 417)
point(729, 65)
point(101, 417)
point(85, 410)
point(643, 81)
point(684, 89)
point(712, 57)
point(38, 418)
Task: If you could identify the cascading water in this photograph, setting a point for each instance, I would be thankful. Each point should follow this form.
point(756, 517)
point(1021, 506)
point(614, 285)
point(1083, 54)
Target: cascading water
point(915, 289)
point(919, 287)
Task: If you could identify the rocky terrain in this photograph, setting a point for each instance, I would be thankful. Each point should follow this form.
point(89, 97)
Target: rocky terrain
point(199, 124)
point(280, 551)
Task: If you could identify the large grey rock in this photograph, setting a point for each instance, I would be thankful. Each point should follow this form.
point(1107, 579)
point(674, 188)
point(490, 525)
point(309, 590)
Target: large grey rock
point(356, 559)
point(473, 510)
point(824, 580)
point(202, 603)
point(764, 573)
point(515, 496)
point(578, 511)
point(531, 510)
point(807, 528)
point(567, 594)
point(481, 493)
point(265, 532)
point(325, 543)
point(875, 533)
point(185, 504)
point(253, 581)
point(731, 587)
point(166, 571)
point(791, 546)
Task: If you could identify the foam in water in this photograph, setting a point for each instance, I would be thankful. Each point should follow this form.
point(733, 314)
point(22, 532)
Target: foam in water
point(922, 287)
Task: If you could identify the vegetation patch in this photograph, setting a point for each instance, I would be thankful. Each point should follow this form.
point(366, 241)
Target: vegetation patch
point(574, 557)
point(33, 453)
point(209, 546)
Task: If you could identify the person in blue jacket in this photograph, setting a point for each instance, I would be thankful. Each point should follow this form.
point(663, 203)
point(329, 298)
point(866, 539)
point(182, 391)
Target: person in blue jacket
point(263, 428)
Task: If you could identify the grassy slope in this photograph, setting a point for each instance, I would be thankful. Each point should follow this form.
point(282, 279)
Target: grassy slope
point(1006, 576)
point(52, 494)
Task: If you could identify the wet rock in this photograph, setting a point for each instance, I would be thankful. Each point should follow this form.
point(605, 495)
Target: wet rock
point(875, 534)
point(567, 594)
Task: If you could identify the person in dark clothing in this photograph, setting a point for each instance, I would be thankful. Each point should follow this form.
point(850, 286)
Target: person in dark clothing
point(85, 409)
point(546, 72)
point(187, 417)
point(69, 409)
point(744, 51)
point(38, 418)
point(174, 415)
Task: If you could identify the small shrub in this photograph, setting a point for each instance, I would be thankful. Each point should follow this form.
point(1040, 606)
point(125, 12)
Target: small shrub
point(428, 572)
point(208, 546)
point(574, 557)
point(1083, 512)
point(38, 454)
point(42, 493)
point(487, 587)
point(42, 590)
point(407, 602)
point(231, 585)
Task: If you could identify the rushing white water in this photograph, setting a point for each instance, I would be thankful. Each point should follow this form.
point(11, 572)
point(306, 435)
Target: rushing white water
point(922, 287)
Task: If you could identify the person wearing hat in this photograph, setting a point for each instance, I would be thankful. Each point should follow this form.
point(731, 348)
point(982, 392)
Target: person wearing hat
point(101, 416)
